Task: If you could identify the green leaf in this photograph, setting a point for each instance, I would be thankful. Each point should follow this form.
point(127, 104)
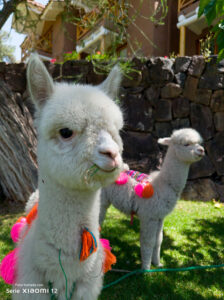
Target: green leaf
point(220, 55)
point(202, 5)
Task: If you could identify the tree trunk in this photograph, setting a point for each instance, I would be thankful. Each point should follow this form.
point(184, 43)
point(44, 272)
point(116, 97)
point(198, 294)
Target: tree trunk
point(18, 167)
point(8, 8)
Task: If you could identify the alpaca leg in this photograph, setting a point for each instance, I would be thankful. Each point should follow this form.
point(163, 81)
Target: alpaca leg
point(147, 241)
point(105, 203)
point(156, 250)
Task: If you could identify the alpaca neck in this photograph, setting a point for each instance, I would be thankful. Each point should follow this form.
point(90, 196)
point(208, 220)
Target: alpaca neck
point(174, 171)
point(63, 213)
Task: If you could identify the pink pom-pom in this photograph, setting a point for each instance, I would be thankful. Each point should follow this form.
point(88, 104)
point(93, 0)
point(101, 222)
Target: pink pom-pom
point(122, 179)
point(8, 267)
point(106, 244)
point(139, 189)
point(16, 230)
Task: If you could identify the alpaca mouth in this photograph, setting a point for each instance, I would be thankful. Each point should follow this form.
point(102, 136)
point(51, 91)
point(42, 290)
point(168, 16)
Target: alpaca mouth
point(106, 170)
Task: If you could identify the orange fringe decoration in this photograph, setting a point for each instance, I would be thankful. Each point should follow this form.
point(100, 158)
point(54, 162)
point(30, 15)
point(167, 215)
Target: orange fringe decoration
point(109, 260)
point(32, 214)
point(88, 246)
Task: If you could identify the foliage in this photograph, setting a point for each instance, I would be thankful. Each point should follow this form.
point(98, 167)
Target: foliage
point(193, 235)
point(206, 45)
point(120, 14)
point(214, 13)
point(103, 63)
point(73, 55)
point(6, 51)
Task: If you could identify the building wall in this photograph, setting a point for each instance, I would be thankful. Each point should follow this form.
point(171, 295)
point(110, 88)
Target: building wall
point(164, 38)
point(64, 38)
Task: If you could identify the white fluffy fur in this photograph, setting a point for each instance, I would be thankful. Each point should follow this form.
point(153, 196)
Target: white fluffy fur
point(184, 149)
point(67, 201)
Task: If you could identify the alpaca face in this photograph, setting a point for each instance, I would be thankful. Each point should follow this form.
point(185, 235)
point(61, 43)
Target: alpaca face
point(189, 152)
point(78, 127)
point(186, 143)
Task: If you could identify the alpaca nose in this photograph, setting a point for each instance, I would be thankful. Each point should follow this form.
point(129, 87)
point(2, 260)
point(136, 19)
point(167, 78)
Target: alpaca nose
point(109, 153)
point(201, 151)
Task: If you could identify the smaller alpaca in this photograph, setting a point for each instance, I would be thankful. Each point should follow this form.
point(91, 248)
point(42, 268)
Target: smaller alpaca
point(183, 149)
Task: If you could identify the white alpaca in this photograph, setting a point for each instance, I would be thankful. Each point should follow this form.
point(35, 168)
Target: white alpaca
point(78, 127)
point(168, 183)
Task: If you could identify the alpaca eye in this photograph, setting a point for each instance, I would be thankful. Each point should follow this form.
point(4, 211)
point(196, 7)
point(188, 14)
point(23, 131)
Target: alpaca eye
point(186, 145)
point(66, 133)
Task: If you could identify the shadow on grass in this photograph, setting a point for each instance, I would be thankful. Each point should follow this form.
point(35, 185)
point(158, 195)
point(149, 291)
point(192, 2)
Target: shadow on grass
point(203, 245)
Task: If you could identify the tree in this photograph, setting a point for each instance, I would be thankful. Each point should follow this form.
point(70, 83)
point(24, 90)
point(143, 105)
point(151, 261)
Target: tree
point(6, 9)
point(6, 51)
point(214, 13)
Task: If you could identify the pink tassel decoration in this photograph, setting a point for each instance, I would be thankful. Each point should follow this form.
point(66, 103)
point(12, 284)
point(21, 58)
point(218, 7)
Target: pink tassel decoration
point(8, 267)
point(16, 229)
point(122, 179)
point(105, 244)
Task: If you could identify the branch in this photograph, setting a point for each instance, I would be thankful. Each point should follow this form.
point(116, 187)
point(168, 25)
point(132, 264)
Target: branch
point(8, 8)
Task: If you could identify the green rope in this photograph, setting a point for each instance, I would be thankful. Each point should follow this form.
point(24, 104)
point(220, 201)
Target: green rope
point(50, 284)
point(66, 280)
point(141, 271)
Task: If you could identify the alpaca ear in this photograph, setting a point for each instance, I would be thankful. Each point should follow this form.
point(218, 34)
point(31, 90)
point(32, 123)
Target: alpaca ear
point(39, 82)
point(164, 141)
point(112, 84)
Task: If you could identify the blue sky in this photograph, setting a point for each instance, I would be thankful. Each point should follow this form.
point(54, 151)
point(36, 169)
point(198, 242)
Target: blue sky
point(16, 39)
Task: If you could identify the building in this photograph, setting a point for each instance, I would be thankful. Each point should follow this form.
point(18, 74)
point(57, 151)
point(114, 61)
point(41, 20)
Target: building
point(192, 29)
point(52, 37)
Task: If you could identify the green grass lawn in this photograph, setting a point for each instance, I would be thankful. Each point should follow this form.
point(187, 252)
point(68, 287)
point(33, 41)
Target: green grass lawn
point(193, 235)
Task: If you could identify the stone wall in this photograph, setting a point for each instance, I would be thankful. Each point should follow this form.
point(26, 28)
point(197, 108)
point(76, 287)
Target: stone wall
point(164, 95)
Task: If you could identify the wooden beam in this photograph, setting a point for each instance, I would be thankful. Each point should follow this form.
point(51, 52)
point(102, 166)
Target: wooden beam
point(182, 40)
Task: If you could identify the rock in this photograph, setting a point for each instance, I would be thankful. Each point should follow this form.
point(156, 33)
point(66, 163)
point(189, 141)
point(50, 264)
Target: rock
point(180, 123)
point(201, 190)
point(55, 70)
point(171, 90)
point(217, 102)
point(182, 63)
point(203, 96)
point(201, 120)
point(15, 76)
point(152, 95)
point(163, 129)
point(211, 78)
point(202, 168)
point(181, 108)
point(190, 88)
point(137, 112)
point(215, 149)
point(160, 71)
point(219, 121)
point(220, 191)
point(163, 110)
point(197, 66)
point(75, 71)
point(143, 165)
point(180, 79)
point(139, 145)
point(133, 79)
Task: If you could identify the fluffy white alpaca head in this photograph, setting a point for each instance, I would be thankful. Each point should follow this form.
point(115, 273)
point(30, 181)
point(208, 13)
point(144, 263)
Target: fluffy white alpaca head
point(79, 145)
point(186, 143)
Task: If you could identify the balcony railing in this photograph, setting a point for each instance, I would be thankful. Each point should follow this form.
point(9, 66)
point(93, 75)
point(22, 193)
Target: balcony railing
point(184, 4)
point(85, 24)
point(90, 20)
point(44, 44)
